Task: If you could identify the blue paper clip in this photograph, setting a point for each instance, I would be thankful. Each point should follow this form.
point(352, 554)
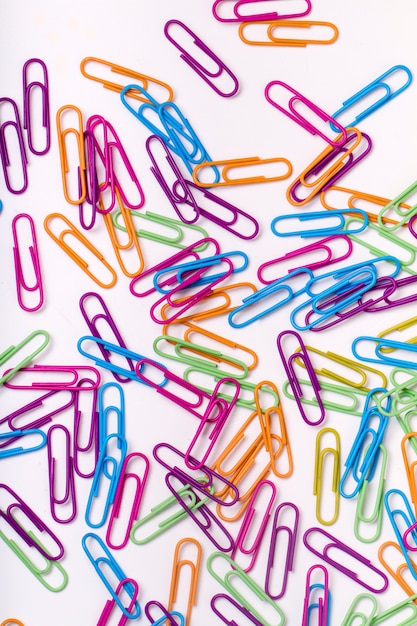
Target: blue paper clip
point(103, 412)
point(408, 517)
point(6, 451)
point(167, 618)
point(385, 345)
point(322, 604)
point(337, 229)
point(106, 558)
point(376, 84)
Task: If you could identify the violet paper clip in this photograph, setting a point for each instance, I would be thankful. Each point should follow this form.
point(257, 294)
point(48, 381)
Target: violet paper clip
point(223, 597)
point(291, 532)
point(67, 498)
point(28, 88)
point(15, 123)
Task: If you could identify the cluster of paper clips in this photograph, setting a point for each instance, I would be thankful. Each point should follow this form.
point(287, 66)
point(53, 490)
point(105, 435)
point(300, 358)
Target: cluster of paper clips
point(228, 486)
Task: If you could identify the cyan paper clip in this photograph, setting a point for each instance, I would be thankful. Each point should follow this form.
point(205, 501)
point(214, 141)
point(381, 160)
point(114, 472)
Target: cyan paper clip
point(404, 514)
point(383, 347)
point(337, 228)
point(376, 85)
point(105, 409)
point(7, 451)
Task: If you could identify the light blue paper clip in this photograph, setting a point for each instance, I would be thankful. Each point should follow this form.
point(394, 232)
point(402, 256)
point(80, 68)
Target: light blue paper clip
point(385, 344)
point(338, 229)
point(408, 517)
point(104, 410)
point(6, 452)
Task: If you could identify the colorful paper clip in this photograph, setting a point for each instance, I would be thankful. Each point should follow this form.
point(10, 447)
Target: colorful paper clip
point(396, 574)
point(11, 179)
point(376, 85)
point(206, 74)
point(401, 517)
point(21, 283)
point(28, 89)
point(111, 413)
point(241, 610)
point(244, 162)
point(168, 618)
point(67, 499)
point(374, 516)
point(337, 224)
point(408, 606)
point(81, 182)
point(237, 17)
point(354, 614)
point(106, 558)
point(12, 350)
point(319, 462)
point(36, 374)
point(194, 566)
point(107, 614)
point(288, 561)
point(321, 590)
point(410, 468)
point(8, 437)
point(270, 39)
point(296, 97)
point(396, 205)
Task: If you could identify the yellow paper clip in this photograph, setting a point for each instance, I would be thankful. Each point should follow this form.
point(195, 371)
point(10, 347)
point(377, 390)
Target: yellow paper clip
point(318, 474)
point(123, 71)
point(226, 166)
point(72, 230)
point(194, 566)
point(398, 327)
point(271, 40)
point(79, 137)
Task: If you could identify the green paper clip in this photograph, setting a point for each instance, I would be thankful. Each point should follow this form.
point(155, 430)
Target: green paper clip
point(353, 615)
point(375, 516)
point(12, 350)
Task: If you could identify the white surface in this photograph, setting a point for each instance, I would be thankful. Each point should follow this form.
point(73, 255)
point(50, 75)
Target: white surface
point(373, 36)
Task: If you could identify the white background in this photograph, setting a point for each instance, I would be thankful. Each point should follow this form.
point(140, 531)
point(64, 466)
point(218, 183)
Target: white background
point(373, 36)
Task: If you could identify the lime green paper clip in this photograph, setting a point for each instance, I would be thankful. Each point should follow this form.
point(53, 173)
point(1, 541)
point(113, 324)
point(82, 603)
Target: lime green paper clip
point(375, 515)
point(405, 606)
point(353, 615)
point(12, 350)
point(340, 390)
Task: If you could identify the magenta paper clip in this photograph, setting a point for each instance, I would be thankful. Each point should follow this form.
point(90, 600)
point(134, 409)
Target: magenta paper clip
point(302, 120)
point(105, 316)
point(335, 544)
point(15, 435)
point(224, 598)
point(66, 498)
point(331, 256)
point(205, 473)
point(292, 377)
point(168, 618)
point(35, 270)
point(291, 532)
point(28, 89)
point(139, 481)
point(80, 416)
point(107, 614)
point(105, 558)
point(206, 74)
point(201, 514)
point(22, 176)
point(99, 176)
point(323, 601)
point(255, 17)
point(259, 515)
point(62, 382)
point(6, 512)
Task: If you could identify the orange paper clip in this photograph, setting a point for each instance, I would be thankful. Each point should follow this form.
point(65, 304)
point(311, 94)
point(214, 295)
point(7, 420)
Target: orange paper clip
point(194, 566)
point(272, 40)
point(232, 164)
point(63, 154)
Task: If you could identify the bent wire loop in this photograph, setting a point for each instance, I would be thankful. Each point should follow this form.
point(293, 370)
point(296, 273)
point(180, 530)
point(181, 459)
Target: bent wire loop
point(402, 517)
point(194, 566)
point(9, 437)
point(236, 606)
point(397, 205)
point(204, 72)
point(382, 348)
point(376, 514)
point(168, 618)
point(12, 350)
point(271, 25)
point(22, 285)
point(291, 532)
point(338, 228)
point(28, 88)
point(272, 15)
point(338, 545)
point(81, 158)
point(68, 498)
point(4, 152)
point(322, 604)
point(319, 463)
point(244, 162)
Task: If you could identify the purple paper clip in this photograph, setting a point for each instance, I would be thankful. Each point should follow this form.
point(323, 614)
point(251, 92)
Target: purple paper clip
point(168, 617)
point(92, 192)
point(246, 529)
point(28, 536)
point(21, 284)
point(107, 611)
point(71, 384)
point(28, 88)
point(68, 498)
point(139, 481)
point(297, 117)
point(323, 603)
point(4, 153)
point(291, 532)
point(105, 316)
point(336, 544)
point(399, 283)
point(292, 377)
point(92, 441)
point(206, 74)
point(241, 609)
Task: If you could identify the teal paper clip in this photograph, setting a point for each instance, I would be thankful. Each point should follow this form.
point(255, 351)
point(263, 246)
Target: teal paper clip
point(353, 614)
point(12, 350)
point(375, 515)
point(377, 84)
point(6, 452)
point(340, 228)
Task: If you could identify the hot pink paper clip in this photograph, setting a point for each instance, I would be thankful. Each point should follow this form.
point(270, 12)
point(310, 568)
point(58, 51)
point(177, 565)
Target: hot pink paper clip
point(237, 16)
point(67, 377)
point(21, 283)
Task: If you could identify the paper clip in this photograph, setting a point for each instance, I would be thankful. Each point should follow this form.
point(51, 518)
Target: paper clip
point(12, 350)
point(272, 25)
point(11, 436)
point(28, 89)
point(206, 74)
point(234, 570)
point(244, 162)
point(294, 381)
point(406, 519)
point(410, 468)
point(110, 468)
point(382, 347)
point(81, 160)
point(28, 536)
point(105, 409)
point(246, 529)
point(68, 497)
point(106, 558)
point(104, 316)
point(396, 205)
point(375, 515)
point(237, 17)
point(402, 567)
point(4, 152)
point(406, 605)
point(353, 614)
point(194, 566)
point(319, 462)
point(123, 71)
point(297, 117)
point(21, 283)
point(12, 621)
point(238, 607)
point(339, 228)
point(344, 548)
point(107, 611)
point(288, 561)
point(168, 618)
point(375, 85)
point(82, 263)
point(139, 481)
point(65, 385)
point(323, 602)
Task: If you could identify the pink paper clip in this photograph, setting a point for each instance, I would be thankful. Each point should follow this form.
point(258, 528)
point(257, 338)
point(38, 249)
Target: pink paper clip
point(297, 117)
point(206, 74)
point(251, 514)
point(107, 612)
point(273, 15)
point(14, 122)
point(68, 498)
point(21, 283)
point(28, 88)
point(139, 480)
point(80, 416)
point(293, 379)
point(62, 371)
point(291, 532)
point(323, 601)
